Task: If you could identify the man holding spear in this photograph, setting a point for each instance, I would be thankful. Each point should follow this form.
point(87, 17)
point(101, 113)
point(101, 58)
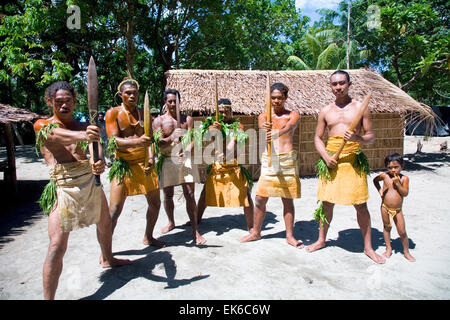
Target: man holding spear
point(343, 167)
point(73, 198)
point(279, 170)
point(174, 165)
point(132, 171)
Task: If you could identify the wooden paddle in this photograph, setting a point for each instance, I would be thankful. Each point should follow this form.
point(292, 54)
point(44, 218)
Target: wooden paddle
point(354, 123)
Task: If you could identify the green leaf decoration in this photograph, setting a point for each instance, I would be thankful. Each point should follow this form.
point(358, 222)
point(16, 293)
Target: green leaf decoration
point(48, 197)
point(248, 176)
point(112, 147)
point(322, 169)
point(43, 135)
point(361, 163)
point(319, 214)
point(119, 169)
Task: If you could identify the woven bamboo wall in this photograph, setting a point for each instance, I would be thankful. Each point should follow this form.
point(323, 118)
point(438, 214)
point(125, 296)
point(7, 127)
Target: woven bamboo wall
point(388, 128)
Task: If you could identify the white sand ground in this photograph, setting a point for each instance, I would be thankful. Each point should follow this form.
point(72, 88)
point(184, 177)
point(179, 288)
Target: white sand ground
point(224, 268)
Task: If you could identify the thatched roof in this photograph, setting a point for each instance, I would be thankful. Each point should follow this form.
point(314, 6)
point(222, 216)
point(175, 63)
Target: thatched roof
point(308, 90)
point(13, 114)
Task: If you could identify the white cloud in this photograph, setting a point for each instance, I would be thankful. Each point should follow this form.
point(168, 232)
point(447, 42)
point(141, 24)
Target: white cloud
point(300, 3)
point(309, 7)
point(317, 4)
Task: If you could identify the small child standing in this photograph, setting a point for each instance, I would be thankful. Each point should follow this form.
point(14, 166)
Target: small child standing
point(395, 188)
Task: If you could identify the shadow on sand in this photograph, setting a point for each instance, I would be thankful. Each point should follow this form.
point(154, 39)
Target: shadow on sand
point(115, 278)
point(21, 210)
point(426, 161)
point(348, 239)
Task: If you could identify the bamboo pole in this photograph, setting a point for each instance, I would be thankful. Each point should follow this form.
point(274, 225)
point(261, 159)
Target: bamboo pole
point(216, 100)
point(147, 125)
point(354, 123)
point(268, 118)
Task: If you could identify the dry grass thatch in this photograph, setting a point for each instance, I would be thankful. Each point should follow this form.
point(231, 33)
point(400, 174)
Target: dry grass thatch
point(308, 91)
point(13, 114)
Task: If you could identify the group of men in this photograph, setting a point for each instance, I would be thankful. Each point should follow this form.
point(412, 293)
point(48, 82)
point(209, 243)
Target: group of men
point(80, 202)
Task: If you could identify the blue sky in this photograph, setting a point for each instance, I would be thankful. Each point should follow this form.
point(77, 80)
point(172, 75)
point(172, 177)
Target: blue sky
point(309, 7)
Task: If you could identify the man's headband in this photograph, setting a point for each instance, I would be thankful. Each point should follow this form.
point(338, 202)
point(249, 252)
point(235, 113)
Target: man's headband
point(225, 105)
point(125, 81)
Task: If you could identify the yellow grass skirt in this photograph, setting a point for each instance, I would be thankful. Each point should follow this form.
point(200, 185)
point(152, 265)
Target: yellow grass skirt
point(139, 182)
point(346, 186)
point(226, 186)
point(79, 200)
point(281, 179)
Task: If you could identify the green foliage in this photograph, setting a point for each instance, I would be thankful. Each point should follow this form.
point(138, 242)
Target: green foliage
point(48, 197)
point(119, 169)
point(322, 169)
point(42, 135)
point(112, 147)
point(156, 137)
point(361, 163)
point(147, 38)
point(248, 176)
point(410, 45)
point(320, 215)
point(228, 130)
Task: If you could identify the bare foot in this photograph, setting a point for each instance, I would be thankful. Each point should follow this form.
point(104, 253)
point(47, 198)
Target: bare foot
point(387, 253)
point(295, 243)
point(315, 246)
point(252, 236)
point(167, 228)
point(199, 239)
point(409, 257)
point(374, 256)
point(153, 242)
point(114, 262)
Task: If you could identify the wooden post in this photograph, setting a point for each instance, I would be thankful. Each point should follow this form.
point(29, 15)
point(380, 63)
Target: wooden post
point(10, 173)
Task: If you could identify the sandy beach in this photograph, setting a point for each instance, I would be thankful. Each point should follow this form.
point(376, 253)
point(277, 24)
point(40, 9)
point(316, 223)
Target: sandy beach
point(224, 268)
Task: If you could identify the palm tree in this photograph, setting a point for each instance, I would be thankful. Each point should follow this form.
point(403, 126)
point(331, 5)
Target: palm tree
point(326, 50)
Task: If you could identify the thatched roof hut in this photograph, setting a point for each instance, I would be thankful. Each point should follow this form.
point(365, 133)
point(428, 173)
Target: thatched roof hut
point(308, 93)
point(12, 122)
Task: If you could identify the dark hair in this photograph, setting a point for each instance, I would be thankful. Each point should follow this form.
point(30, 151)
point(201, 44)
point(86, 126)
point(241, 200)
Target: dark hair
point(393, 157)
point(224, 101)
point(128, 81)
point(341, 72)
point(59, 85)
point(280, 87)
point(171, 91)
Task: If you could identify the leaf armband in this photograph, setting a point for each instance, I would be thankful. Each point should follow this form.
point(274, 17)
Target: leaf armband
point(42, 135)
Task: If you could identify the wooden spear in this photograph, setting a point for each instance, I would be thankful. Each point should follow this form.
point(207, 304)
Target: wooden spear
point(216, 100)
point(147, 125)
point(354, 123)
point(268, 117)
point(92, 95)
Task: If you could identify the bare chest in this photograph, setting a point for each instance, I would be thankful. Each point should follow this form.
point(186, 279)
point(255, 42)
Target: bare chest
point(130, 124)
